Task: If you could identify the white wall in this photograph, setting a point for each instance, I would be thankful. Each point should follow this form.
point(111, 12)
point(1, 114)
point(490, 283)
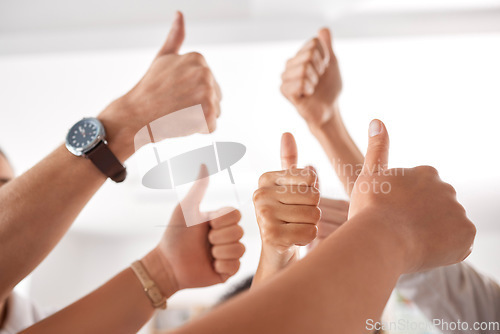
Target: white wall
point(437, 95)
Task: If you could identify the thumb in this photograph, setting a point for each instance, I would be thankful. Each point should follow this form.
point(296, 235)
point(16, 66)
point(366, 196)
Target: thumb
point(377, 154)
point(198, 190)
point(288, 151)
point(175, 36)
point(326, 38)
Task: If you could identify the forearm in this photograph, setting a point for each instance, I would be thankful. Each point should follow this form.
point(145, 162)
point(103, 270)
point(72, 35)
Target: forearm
point(39, 206)
point(335, 289)
point(119, 306)
point(344, 155)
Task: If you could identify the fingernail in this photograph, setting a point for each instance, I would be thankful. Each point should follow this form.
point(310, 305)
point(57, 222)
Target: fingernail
point(375, 128)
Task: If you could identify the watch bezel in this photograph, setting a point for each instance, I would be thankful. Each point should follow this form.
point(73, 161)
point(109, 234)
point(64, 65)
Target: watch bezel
point(81, 151)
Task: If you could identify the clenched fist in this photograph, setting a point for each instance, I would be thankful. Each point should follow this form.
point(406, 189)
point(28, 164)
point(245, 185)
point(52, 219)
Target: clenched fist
point(286, 206)
point(414, 206)
point(203, 254)
point(173, 82)
point(311, 80)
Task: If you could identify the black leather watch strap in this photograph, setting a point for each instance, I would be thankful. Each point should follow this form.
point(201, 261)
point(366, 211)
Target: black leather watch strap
point(106, 162)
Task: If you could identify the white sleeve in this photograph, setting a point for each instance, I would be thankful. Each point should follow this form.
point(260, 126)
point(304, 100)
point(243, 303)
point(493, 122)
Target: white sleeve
point(21, 313)
point(453, 293)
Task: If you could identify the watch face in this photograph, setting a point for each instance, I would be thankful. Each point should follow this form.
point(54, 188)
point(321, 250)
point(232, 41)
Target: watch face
point(84, 135)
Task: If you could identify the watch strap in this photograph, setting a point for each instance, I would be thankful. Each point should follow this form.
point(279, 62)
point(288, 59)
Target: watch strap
point(158, 300)
point(102, 157)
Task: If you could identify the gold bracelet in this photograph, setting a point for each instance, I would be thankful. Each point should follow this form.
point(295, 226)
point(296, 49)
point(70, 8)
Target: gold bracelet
point(158, 300)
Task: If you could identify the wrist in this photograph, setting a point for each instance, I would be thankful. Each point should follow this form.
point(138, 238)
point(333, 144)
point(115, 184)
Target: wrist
point(376, 230)
point(277, 259)
point(120, 130)
point(330, 120)
point(272, 261)
point(160, 272)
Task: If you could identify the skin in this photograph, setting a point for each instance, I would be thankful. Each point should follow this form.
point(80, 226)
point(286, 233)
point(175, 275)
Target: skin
point(186, 257)
point(312, 83)
point(287, 215)
point(380, 238)
point(314, 90)
point(384, 236)
point(387, 234)
point(6, 174)
point(33, 212)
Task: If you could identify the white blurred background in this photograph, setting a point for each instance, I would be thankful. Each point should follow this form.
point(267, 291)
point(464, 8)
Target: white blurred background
point(429, 69)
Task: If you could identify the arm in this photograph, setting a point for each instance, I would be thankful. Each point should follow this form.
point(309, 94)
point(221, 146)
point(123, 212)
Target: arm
point(186, 257)
point(317, 102)
point(452, 293)
point(312, 83)
point(326, 292)
point(349, 277)
point(287, 215)
point(35, 207)
point(278, 222)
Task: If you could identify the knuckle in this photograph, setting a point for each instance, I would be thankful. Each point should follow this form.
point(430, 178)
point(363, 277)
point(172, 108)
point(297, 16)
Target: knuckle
point(195, 57)
point(283, 75)
point(235, 215)
point(472, 229)
point(264, 211)
point(316, 196)
point(451, 189)
point(265, 178)
point(206, 93)
point(316, 214)
point(315, 42)
point(429, 170)
point(260, 194)
point(283, 90)
point(240, 249)
point(239, 232)
point(310, 233)
point(215, 252)
point(310, 176)
point(212, 237)
point(269, 233)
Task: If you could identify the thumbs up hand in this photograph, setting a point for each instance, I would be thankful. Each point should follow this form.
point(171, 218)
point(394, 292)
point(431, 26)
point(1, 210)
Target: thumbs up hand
point(418, 212)
point(173, 82)
point(311, 80)
point(199, 255)
point(286, 206)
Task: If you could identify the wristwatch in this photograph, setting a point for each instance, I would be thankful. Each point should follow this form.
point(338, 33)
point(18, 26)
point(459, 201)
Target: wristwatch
point(87, 138)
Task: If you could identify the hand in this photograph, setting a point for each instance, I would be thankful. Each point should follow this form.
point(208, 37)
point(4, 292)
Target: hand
point(311, 80)
point(286, 206)
point(203, 254)
point(333, 215)
point(173, 82)
point(418, 211)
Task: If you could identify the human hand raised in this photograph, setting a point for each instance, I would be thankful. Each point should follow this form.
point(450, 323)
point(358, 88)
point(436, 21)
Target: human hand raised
point(286, 206)
point(413, 206)
point(311, 80)
point(173, 82)
point(203, 254)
